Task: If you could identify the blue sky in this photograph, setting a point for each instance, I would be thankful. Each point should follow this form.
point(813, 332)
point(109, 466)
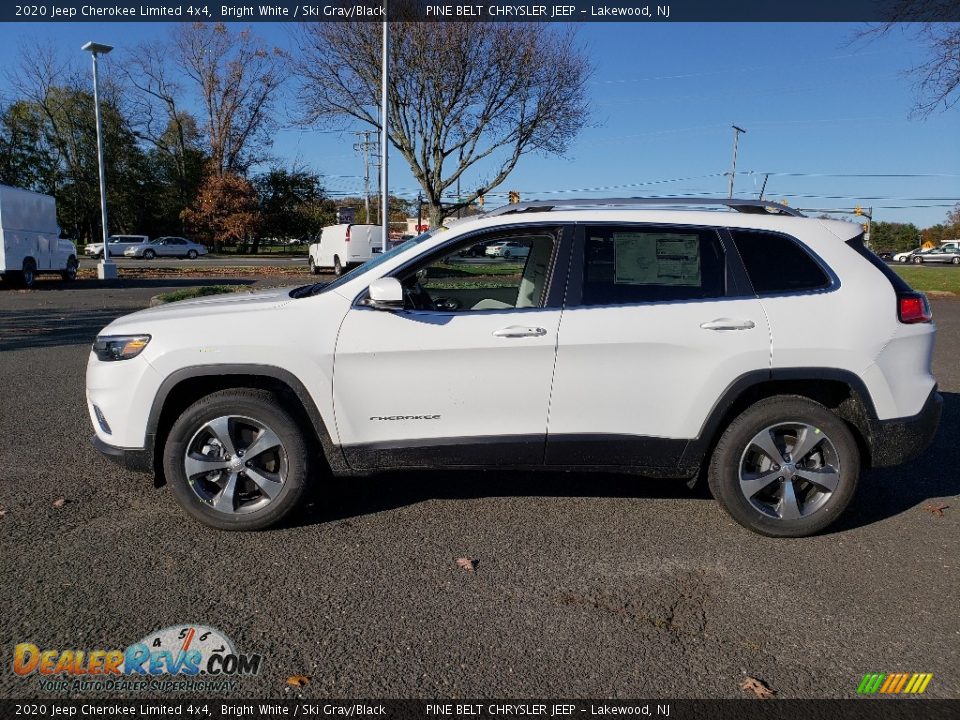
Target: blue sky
point(663, 99)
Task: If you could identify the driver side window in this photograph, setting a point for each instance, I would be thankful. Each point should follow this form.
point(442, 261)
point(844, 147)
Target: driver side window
point(493, 272)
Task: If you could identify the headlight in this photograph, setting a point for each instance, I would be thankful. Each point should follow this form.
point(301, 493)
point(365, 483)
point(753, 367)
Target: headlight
point(119, 347)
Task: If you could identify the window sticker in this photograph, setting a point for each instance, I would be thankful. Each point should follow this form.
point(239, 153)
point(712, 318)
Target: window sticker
point(656, 259)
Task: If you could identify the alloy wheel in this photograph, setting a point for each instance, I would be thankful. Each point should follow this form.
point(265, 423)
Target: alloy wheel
point(789, 471)
point(235, 464)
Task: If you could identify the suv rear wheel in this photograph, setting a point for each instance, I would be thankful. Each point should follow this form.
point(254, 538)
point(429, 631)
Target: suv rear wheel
point(786, 467)
point(236, 460)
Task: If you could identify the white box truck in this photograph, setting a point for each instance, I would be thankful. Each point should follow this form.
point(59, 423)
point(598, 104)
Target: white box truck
point(343, 246)
point(30, 241)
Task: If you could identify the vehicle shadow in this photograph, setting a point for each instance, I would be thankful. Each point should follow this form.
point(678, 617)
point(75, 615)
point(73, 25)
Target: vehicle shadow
point(343, 498)
point(887, 492)
point(881, 494)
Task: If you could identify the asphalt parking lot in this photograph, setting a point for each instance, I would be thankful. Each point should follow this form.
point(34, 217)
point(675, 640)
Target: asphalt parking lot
point(586, 585)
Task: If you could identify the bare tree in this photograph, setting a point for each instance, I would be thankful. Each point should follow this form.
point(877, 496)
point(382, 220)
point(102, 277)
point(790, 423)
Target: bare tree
point(238, 78)
point(156, 114)
point(933, 24)
point(459, 94)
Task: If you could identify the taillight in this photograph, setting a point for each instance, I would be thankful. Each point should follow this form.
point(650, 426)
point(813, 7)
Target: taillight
point(348, 234)
point(913, 308)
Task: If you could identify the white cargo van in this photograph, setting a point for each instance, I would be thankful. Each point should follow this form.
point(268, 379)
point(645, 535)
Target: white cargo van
point(30, 240)
point(342, 246)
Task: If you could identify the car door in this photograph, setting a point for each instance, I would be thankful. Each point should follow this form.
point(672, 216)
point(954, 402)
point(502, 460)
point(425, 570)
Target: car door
point(657, 325)
point(462, 374)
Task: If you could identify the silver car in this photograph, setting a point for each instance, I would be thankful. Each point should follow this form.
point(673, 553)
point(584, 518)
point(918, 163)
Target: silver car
point(948, 254)
point(167, 247)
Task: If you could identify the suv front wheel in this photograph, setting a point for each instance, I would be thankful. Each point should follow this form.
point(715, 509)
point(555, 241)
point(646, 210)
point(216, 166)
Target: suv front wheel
point(236, 460)
point(785, 467)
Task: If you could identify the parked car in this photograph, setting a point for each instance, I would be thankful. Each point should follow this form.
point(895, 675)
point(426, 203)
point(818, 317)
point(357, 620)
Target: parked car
point(31, 242)
point(948, 254)
point(904, 257)
point(508, 250)
point(167, 247)
point(118, 245)
point(344, 246)
point(476, 250)
point(885, 255)
point(773, 352)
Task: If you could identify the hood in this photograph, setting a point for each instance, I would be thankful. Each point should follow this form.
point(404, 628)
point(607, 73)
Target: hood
point(208, 307)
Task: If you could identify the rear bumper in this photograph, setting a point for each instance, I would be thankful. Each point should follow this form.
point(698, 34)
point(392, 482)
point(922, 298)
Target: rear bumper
point(136, 459)
point(896, 441)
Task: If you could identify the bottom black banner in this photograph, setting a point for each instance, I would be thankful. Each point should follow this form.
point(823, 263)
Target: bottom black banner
point(860, 709)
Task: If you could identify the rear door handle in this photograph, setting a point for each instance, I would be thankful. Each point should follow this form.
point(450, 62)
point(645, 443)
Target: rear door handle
point(728, 324)
point(516, 331)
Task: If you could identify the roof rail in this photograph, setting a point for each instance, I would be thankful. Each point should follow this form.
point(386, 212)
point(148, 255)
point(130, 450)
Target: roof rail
point(744, 205)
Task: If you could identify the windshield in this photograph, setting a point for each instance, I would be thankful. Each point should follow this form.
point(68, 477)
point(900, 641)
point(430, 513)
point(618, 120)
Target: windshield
point(308, 290)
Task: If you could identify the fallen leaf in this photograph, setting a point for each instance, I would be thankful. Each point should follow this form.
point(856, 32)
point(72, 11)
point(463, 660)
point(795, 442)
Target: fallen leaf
point(936, 509)
point(758, 687)
point(59, 502)
point(298, 681)
point(3, 513)
point(466, 563)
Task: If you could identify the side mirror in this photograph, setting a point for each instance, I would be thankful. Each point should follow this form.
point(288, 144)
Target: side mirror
point(385, 294)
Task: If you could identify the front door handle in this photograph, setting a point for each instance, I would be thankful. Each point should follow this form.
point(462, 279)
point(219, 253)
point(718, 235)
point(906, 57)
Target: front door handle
point(516, 331)
point(728, 324)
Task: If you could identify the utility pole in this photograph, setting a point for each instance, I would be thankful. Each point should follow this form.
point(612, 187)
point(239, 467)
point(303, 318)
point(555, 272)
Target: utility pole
point(733, 167)
point(384, 132)
point(365, 146)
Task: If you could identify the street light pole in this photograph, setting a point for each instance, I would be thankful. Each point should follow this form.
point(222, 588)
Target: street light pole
point(384, 135)
point(733, 167)
point(106, 269)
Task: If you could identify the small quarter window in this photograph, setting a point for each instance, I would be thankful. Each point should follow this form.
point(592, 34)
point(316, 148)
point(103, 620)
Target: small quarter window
point(777, 264)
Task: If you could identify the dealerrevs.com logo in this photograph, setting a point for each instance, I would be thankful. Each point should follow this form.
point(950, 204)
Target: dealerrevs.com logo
point(178, 658)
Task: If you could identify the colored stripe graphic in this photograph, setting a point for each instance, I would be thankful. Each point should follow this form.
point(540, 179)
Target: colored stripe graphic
point(871, 683)
point(894, 683)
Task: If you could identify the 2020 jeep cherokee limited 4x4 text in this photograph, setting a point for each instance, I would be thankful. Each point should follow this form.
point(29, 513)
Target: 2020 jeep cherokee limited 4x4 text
point(770, 352)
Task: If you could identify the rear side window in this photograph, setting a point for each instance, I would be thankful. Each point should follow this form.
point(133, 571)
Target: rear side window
point(777, 264)
point(642, 264)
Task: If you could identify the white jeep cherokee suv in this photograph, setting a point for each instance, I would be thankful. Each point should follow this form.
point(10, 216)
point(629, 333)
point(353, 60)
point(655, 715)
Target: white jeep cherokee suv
point(772, 353)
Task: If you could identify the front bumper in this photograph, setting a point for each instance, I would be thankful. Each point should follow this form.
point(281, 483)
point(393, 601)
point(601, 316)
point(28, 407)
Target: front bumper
point(135, 459)
point(896, 441)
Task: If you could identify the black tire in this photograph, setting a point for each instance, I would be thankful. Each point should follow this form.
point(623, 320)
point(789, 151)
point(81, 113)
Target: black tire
point(337, 267)
point(955, 261)
point(263, 407)
point(28, 273)
point(191, 254)
point(506, 254)
point(917, 260)
point(314, 268)
point(149, 254)
point(70, 274)
point(725, 465)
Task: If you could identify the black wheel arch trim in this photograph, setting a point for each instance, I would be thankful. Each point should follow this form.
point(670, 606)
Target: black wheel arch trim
point(332, 452)
point(697, 449)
